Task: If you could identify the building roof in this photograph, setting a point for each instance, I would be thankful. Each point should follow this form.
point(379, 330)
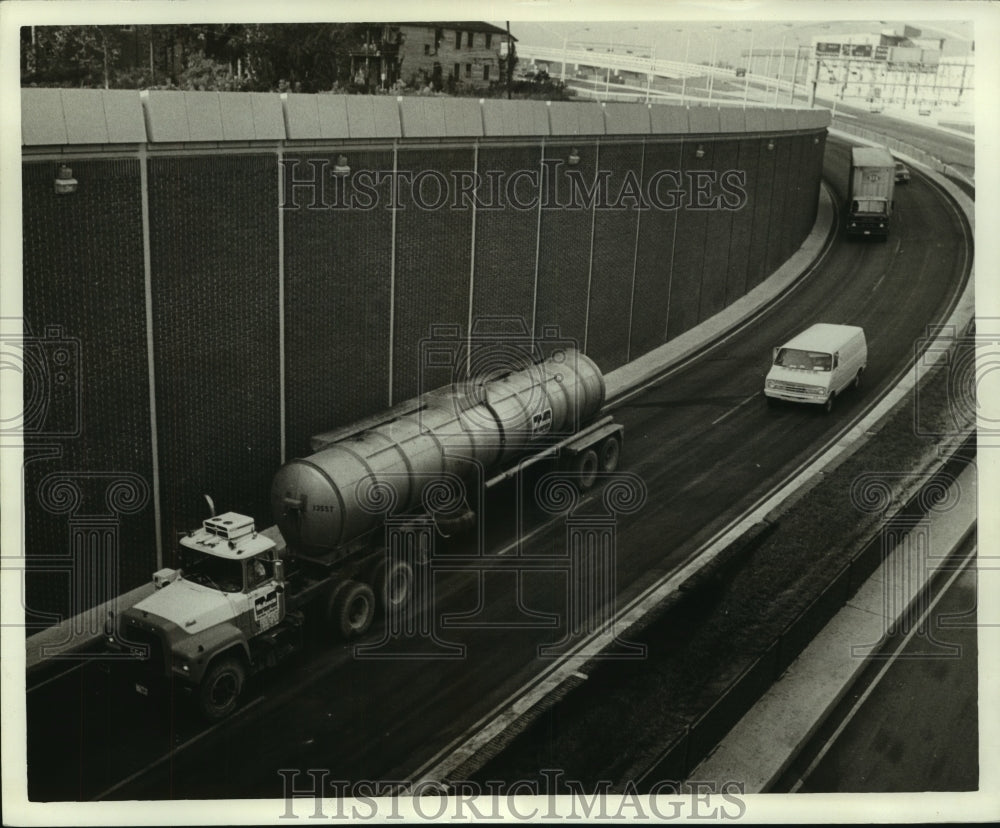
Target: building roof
point(464, 25)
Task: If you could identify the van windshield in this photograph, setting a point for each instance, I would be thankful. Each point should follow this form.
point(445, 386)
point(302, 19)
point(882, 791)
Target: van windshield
point(808, 360)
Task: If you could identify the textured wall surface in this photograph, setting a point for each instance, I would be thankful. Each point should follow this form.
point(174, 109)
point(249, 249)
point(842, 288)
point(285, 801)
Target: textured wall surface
point(317, 298)
point(87, 413)
point(213, 242)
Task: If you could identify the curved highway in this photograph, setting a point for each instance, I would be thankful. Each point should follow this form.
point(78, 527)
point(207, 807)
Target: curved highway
point(702, 441)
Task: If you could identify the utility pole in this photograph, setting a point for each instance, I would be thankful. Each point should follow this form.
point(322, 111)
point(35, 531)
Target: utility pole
point(684, 78)
point(746, 85)
point(815, 82)
point(510, 59)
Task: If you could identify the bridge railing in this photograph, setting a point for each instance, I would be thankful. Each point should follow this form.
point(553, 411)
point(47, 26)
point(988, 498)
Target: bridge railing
point(894, 144)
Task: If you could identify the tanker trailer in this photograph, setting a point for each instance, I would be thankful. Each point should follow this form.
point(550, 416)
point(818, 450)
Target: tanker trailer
point(239, 601)
point(474, 434)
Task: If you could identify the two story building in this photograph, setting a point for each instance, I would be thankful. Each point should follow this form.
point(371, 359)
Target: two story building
point(431, 53)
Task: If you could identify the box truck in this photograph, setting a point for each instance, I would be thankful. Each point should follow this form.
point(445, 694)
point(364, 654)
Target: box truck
point(870, 190)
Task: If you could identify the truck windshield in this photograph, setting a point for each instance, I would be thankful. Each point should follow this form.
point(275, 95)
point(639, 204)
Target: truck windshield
point(868, 205)
point(808, 360)
point(208, 570)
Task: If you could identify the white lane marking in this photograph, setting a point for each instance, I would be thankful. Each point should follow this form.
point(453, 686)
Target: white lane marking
point(881, 674)
point(171, 754)
point(720, 418)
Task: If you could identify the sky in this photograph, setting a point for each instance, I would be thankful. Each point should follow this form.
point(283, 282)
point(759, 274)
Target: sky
point(670, 39)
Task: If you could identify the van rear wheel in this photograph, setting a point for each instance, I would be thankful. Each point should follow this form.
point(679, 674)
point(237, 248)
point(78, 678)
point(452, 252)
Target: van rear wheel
point(857, 380)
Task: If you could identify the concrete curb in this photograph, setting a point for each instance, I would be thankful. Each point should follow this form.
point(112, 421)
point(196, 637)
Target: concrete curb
point(760, 747)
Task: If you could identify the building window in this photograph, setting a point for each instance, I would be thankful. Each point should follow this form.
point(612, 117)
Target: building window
point(458, 39)
point(438, 38)
point(468, 70)
point(427, 48)
point(486, 70)
point(489, 39)
point(457, 71)
point(468, 39)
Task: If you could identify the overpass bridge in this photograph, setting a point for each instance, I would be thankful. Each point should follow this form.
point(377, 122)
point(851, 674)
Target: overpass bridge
point(721, 86)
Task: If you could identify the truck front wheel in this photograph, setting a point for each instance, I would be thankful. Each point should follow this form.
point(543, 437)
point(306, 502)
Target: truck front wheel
point(355, 609)
point(220, 689)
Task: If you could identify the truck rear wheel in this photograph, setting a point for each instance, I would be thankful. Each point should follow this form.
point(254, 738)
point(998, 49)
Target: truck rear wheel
point(220, 689)
point(354, 609)
point(585, 468)
point(610, 454)
point(393, 582)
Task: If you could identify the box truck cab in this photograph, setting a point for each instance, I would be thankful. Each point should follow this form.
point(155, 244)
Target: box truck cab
point(817, 365)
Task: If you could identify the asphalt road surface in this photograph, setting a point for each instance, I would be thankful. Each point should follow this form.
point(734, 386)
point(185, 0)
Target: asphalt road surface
point(702, 441)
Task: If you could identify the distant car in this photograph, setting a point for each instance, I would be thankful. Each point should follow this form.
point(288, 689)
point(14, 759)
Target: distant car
point(902, 173)
point(875, 107)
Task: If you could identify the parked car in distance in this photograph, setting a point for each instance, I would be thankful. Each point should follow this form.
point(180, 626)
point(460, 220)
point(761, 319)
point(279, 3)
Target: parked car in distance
point(902, 173)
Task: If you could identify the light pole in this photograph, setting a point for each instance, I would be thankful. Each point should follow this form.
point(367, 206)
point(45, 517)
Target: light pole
point(565, 40)
point(711, 69)
point(746, 78)
point(781, 68)
point(652, 67)
point(687, 53)
point(611, 48)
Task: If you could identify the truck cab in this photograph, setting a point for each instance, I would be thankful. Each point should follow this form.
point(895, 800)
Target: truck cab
point(203, 623)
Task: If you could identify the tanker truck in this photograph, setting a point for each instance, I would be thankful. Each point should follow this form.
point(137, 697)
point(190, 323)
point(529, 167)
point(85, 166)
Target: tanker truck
point(241, 599)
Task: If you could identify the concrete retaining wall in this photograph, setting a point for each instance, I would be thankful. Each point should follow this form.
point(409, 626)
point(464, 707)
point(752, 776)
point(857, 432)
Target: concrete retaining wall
point(227, 294)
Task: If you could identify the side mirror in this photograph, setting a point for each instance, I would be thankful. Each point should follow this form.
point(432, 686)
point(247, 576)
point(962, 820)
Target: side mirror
point(279, 574)
point(279, 588)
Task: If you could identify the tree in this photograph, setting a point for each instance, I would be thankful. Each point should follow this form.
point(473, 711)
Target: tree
point(69, 56)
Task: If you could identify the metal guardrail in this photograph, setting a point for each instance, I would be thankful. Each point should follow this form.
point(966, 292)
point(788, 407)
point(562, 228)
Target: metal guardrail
point(894, 144)
point(612, 60)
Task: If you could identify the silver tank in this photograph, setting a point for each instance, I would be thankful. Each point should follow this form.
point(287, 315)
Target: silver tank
point(324, 501)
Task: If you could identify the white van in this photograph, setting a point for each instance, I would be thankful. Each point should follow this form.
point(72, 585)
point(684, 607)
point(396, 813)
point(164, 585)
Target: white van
point(817, 365)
